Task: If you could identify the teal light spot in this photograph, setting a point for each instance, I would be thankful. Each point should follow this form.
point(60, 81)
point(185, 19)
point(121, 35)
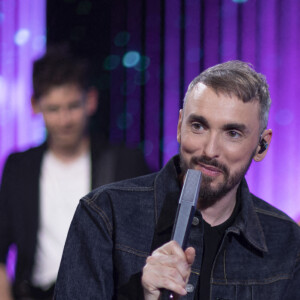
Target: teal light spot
point(143, 63)
point(239, 1)
point(124, 121)
point(122, 39)
point(111, 62)
point(131, 59)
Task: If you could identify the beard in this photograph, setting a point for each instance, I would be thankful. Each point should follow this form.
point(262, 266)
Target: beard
point(208, 196)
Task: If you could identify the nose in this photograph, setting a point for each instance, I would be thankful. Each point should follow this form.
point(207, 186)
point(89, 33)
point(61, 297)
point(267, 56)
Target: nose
point(64, 117)
point(211, 146)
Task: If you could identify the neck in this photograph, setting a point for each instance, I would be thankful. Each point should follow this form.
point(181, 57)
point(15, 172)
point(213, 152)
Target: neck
point(221, 210)
point(69, 154)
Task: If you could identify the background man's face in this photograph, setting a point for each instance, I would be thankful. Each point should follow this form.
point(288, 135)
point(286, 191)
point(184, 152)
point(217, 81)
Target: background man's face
point(65, 111)
point(218, 135)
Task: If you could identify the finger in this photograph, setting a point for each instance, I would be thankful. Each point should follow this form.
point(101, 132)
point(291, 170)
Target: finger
point(159, 271)
point(170, 248)
point(174, 261)
point(176, 268)
point(168, 267)
point(159, 277)
point(172, 255)
point(190, 254)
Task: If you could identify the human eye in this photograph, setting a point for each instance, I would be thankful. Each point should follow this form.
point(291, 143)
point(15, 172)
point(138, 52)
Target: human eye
point(197, 127)
point(234, 134)
point(51, 109)
point(75, 105)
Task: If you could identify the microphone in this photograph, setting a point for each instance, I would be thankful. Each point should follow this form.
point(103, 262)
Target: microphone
point(185, 213)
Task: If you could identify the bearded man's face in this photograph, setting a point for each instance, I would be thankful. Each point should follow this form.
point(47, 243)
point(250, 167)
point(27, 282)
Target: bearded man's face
point(218, 135)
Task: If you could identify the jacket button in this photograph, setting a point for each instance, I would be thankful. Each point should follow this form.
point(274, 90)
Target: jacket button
point(189, 288)
point(195, 221)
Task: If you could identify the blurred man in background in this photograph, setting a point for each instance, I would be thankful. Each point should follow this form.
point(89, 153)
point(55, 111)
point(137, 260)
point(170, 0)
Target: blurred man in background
point(40, 187)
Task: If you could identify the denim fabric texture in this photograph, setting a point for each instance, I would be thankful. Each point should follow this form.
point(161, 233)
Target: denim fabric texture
point(117, 226)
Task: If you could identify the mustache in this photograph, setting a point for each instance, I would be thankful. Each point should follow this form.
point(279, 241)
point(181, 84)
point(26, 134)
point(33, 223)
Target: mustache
point(209, 162)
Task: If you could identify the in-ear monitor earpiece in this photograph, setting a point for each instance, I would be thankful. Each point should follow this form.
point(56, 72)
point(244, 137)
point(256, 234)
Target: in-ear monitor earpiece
point(263, 146)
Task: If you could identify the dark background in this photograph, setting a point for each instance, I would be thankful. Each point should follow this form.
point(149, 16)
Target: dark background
point(84, 26)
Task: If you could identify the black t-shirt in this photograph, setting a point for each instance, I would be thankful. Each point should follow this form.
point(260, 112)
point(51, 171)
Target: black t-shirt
point(213, 237)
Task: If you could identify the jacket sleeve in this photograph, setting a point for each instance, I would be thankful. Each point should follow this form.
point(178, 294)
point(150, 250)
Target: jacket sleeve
point(5, 208)
point(86, 269)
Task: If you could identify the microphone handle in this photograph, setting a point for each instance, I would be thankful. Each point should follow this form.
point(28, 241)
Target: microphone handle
point(184, 215)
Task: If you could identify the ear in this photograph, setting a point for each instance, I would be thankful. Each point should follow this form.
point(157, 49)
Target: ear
point(179, 126)
point(267, 136)
point(92, 101)
point(35, 105)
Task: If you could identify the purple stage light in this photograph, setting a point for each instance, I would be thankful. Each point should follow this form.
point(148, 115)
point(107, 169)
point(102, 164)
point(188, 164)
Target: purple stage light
point(22, 40)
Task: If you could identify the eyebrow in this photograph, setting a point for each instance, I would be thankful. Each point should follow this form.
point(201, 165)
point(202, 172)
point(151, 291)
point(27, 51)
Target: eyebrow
point(235, 126)
point(230, 126)
point(197, 118)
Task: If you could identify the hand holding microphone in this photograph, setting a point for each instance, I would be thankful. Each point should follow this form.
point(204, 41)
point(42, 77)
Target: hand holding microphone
point(169, 266)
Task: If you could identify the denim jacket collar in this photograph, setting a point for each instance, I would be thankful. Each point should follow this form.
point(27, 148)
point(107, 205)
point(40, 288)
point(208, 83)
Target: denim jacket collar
point(166, 202)
point(166, 198)
point(247, 222)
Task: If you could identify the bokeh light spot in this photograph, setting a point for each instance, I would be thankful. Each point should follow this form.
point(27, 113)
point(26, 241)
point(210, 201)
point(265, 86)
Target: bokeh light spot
point(124, 121)
point(111, 62)
point(284, 117)
point(143, 63)
point(239, 1)
point(131, 59)
point(147, 146)
point(122, 39)
point(22, 36)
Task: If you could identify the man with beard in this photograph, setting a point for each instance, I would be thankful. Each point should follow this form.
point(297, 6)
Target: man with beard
point(41, 187)
point(239, 246)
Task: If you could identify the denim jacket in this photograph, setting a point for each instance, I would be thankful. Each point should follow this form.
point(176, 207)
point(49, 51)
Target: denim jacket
point(117, 226)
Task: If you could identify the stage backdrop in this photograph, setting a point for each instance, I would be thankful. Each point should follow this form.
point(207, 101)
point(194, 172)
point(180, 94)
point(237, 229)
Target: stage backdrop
point(22, 39)
point(156, 49)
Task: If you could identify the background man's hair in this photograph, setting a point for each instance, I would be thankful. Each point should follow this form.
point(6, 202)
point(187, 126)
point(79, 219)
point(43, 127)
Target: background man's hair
point(240, 79)
point(56, 68)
